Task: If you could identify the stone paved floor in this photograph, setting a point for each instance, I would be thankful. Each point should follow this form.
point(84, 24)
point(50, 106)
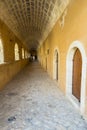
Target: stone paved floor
point(32, 101)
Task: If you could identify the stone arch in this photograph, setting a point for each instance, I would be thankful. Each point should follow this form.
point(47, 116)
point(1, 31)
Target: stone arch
point(16, 49)
point(69, 75)
point(55, 64)
point(1, 52)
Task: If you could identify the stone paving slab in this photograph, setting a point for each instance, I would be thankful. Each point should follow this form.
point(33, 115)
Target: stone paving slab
point(32, 101)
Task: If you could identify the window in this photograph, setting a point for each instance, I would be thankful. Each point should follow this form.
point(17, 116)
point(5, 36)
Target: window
point(1, 52)
point(16, 52)
point(22, 53)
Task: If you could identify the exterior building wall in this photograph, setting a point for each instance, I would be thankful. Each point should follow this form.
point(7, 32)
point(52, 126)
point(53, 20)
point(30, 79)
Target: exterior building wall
point(61, 37)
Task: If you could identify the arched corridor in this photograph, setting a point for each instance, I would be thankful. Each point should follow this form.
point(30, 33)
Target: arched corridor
point(32, 101)
point(43, 65)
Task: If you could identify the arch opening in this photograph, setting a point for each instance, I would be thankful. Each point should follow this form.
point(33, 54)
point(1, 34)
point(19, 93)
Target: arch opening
point(23, 53)
point(76, 75)
point(1, 52)
point(16, 49)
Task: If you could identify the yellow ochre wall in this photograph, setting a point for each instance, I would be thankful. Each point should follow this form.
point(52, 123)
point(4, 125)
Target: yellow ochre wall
point(75, 28)
point(10, 67)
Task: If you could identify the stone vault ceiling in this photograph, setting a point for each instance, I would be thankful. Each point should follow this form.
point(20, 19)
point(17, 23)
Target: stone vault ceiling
point(31, 20)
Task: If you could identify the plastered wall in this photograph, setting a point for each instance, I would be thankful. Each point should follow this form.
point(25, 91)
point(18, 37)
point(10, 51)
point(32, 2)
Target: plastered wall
point(9, 68)
point(61, 37)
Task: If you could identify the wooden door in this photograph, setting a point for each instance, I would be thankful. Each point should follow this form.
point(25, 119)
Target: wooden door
point(46, 63)
point(77, 69)
point(57, 66)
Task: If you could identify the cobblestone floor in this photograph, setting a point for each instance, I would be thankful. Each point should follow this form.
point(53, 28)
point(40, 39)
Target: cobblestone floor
point(32, 101)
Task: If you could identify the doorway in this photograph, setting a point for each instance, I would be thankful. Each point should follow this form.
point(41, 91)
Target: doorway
point(76, 75)
point(55, 65)
point(46, 62)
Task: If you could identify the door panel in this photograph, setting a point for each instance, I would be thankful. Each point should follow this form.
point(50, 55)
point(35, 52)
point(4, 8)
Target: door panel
point(46, 63)
point(57, 66)
point(77, 69)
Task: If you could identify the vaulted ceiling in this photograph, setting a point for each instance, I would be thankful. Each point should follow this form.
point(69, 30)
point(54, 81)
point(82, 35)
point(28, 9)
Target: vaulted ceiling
point(31, 20)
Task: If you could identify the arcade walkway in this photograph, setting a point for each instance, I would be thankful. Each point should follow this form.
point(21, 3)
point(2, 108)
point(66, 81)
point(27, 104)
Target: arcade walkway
point(32, 101)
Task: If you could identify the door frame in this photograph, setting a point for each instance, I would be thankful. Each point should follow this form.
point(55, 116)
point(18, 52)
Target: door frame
point(69, 72)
